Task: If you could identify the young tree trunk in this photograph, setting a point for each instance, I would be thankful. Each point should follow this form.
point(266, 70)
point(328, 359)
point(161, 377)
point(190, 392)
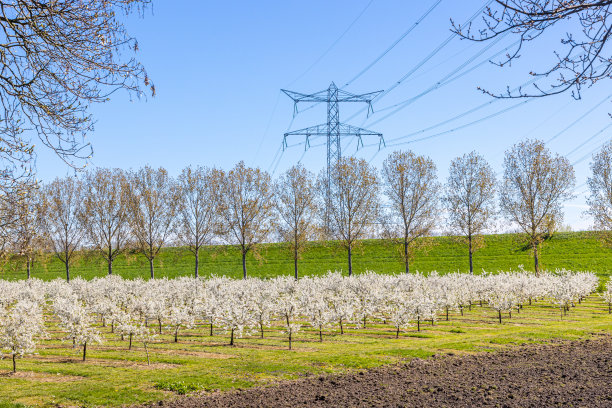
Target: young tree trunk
point(160, 325)
point(197, 262)
point(28, 265)
point(211, 329)
point(418, 323)
point(110, 260)
point(151, 268)
point(397, 333)
point(147, 351)
point(499, 316)
point(261, 328)
point(67, 271)
point(244, 268)
point(232, 338)
point(130, 342)
point(295, 259)
point(535, 258)
point(320, 334)
point(341, 327)
point(470, 249)
point(84, 350)
point(406, 260)
point(350, 260)
point(14, 363)
point(288, 330)
point(176, 334)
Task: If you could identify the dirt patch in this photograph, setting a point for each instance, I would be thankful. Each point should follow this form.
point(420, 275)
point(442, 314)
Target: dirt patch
point(108, 363)
point(559, 374)
point(41, 377)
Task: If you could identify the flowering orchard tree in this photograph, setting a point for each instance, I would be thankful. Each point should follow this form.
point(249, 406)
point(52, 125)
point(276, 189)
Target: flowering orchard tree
point(20, 326)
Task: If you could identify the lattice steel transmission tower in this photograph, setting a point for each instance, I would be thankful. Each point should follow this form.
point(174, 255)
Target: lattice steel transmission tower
point(334, 130)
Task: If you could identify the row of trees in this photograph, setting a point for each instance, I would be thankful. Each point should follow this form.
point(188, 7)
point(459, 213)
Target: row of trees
point(136, 309)
point(113, 210)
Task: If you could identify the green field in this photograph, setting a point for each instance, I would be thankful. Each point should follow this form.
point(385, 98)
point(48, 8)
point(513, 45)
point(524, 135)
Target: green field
point(114, 375)
point(570, 250)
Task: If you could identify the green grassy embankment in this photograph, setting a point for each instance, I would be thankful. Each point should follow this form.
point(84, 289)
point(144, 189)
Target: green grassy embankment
point(570, 250)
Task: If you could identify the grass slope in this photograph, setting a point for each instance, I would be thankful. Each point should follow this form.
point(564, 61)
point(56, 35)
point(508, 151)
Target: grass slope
point(572, 250)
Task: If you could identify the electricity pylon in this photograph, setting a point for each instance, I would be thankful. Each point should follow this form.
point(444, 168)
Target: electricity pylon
point(334, 130)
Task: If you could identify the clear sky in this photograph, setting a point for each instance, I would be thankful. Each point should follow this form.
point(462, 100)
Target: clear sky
point(219, 66)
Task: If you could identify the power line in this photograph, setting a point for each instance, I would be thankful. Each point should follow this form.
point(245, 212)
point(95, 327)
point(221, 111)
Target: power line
point(447, 79)
point(265, 133)
point(426, 59)
point(579, 119)
point(475, 122)
point(332, 45)
point(401, 37)
point(589, 139)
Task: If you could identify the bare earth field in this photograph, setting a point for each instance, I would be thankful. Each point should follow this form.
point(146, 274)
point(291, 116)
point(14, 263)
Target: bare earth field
point(557, 374)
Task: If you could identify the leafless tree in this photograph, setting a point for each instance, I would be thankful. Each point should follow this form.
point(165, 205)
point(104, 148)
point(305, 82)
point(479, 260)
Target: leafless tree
point(586, 25)
point(410, 183)
point(60, 211)
point(355, 205)
point(246, 208)
point(297, 209)
point(152, 209)
point(27, 239)
point(105, 212)
point(600, 186)
point(198, 193)
point(470, 199)
point(534, 187)
point(57, 58)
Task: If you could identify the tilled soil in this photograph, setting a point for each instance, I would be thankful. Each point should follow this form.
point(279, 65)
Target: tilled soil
point(563, 374)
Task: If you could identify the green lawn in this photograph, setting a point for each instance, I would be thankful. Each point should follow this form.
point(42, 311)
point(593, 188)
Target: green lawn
point(114, 375)
point(571, 250)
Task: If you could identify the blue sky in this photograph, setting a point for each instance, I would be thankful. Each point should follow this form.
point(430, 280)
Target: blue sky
point(219, 67)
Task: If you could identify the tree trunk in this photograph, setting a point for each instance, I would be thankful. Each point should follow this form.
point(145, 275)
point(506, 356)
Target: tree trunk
point(211, 329)
point(176, 334)
point(232, 338)
point(147, 351)
point(130, 342)
point(350, 260)
point(288, 330)
point(110, 261)
point(197, 262)
point(295, 259)
point(320, 334)
point(418, 323)
point(160, 325)
point(470, 249)
point(244, 269)
point(499, 316)
point(151, 268)
point(397, 333)
point(28, 265)
point(84, 350)
point(406, 260)
point(262, 329)
point(67, 271)
point(14, 363)
point(535, 258)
